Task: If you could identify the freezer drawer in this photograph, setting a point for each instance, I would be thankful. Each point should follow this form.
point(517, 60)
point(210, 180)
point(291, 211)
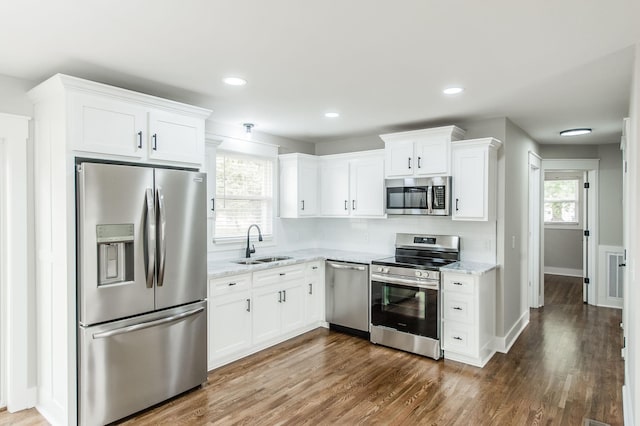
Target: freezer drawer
point(128, 365)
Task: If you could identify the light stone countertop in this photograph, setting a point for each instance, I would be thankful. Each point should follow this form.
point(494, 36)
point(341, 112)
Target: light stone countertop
point(222, 268)
point(468, 267)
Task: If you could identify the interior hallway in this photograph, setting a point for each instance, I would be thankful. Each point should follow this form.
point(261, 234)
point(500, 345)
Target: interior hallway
point(565, 367)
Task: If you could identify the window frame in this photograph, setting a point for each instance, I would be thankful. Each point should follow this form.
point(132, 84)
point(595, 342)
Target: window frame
point(226, 243)
point(553, 176)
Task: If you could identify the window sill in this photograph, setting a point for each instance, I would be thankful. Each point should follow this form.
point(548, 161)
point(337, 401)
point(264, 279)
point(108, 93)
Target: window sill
point(568, 226)
point(224, 244)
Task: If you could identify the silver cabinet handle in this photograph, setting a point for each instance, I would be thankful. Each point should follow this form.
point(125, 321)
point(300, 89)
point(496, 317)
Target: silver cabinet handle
point(151, 237)
point(314, 267)
point(284, 295)
point(457, 308)
point(419, 166)
point(310, 288)
point(142, 326)
point(280, 297)
point(213, 204)
point(457, 338)
point(345, 204)
point(162, 236)
point(155, 142)
point(353, 204)
point(409, 162)
point(248, 305)
point(302, 204)
point(140, 139)
point(457, 283)
point(457, 200)
point(282, 274)
point(230, 284)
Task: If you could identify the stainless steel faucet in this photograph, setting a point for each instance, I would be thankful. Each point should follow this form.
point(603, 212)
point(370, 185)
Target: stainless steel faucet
point(252, 249)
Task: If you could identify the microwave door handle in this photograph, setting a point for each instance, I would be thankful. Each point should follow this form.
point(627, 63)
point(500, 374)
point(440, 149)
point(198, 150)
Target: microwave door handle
point(430, 199)
point(151, 237)
point(162, 243)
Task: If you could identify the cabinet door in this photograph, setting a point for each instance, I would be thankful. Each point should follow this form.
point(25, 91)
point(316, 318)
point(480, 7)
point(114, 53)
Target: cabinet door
point(334, 188)
point(469, 184)
point(367, 187)
point(266, 314)
point(108, 126)
point(229, 325)
point(399, 159)
point(293, 302)
point(176, 138)
point(432, 157)
point(308, 187)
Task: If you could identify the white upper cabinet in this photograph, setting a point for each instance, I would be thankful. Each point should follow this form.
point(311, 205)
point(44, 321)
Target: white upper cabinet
point(298, 185)
point(420, 152)
point(116, 123)
point(334, 187)
point(352, 184)
point(474, 179)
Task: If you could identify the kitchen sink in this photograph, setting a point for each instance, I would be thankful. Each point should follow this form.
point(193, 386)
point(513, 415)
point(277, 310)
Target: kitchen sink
point(261, 260)
point(272, 259)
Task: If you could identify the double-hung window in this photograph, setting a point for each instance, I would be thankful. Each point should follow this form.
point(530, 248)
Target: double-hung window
point(562, 200)
point(244, 195)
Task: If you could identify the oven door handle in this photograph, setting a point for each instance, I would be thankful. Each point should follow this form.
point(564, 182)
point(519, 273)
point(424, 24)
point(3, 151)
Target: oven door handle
point(389, 279)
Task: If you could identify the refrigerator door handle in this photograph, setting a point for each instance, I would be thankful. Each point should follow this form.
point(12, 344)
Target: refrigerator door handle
point(148, 324)
point(162, 241)
point(151, 237)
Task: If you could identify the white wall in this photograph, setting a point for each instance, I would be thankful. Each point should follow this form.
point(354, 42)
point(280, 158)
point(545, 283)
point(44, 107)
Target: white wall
point(563, 249)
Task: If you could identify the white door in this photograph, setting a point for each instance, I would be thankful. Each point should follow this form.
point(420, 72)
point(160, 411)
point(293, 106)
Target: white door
point(108, 126)
point(266, 314)
point(399, 159)
point(367, 187)
point(469, 183)
point(308, 187)
point(176, 138)
point(230, 325)
point(432, 157)
point(334, 188)
point(293, 302)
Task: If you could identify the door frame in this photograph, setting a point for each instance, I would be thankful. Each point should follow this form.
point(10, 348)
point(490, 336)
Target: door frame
point(534, 231)
point(591, 168)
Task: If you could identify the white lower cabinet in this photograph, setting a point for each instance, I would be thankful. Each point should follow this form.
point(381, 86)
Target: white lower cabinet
point(468, 317)
point(249, 312)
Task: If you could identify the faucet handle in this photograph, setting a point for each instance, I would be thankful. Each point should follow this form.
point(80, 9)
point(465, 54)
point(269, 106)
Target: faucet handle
point(252, 249)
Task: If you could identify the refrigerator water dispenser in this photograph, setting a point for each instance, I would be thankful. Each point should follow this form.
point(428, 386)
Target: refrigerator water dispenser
point(115, 253)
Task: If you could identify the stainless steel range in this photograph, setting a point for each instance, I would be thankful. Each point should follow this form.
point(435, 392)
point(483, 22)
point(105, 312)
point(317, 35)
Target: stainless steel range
point(405, 293)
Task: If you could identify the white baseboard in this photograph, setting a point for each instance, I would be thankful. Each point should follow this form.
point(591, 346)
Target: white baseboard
point(503, 344)
point(567, 272)
point(26, 399)
point(627, 408)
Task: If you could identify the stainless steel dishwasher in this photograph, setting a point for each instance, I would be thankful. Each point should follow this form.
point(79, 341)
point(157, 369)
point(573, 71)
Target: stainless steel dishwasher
point(347, 297)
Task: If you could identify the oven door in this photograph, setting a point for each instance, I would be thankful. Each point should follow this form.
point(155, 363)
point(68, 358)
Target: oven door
point(405, 307)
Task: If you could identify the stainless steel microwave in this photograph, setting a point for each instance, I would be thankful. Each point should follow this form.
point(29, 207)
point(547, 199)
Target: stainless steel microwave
point(422, 196)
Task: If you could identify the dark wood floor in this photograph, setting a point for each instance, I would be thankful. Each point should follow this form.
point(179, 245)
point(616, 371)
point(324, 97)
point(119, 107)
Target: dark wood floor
point(565, 367)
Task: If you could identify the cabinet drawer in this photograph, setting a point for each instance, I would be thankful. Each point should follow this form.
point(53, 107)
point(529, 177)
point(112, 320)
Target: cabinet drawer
point(314, 268)
point(459, 338)
point(230, 284)
point(459, 307)
point(278, 275)
point(459, 282)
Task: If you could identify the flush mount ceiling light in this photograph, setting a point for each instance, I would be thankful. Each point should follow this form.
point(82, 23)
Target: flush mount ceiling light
point(332, 114)
point(575, 132)
point(234, 81)
point(453, 90)
point(247, 129)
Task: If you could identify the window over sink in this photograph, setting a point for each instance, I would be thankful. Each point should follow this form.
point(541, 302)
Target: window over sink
point(244, 195)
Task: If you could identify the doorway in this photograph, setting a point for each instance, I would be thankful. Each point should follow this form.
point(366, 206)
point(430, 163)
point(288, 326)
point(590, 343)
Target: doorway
point(587, 222)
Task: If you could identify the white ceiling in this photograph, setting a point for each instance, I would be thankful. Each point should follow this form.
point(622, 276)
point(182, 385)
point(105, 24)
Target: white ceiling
point(547, 65)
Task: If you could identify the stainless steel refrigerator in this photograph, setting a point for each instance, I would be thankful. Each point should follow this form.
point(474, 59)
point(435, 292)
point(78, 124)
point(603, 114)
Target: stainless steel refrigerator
point(142, 273)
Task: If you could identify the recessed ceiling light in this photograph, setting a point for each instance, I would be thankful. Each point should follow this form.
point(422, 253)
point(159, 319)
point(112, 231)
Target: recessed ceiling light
point(332, 114)
point(235, 81)
point(453, 90)
point(575, 132)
